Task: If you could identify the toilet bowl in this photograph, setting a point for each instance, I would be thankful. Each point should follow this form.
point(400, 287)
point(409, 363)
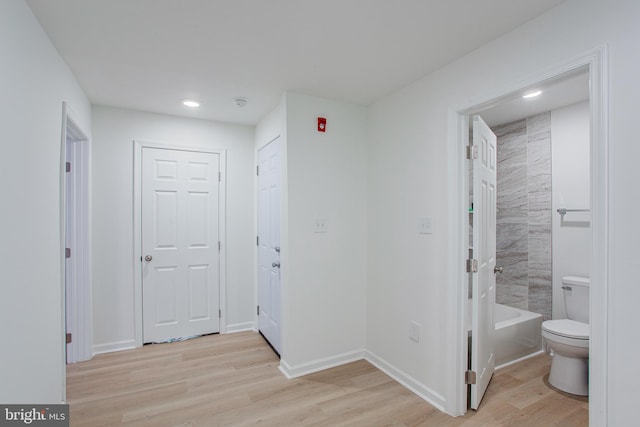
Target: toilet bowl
point(567, 340)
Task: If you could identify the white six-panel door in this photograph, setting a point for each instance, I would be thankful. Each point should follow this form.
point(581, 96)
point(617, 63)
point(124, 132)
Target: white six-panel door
point(269, 243)
point(484, 252)
point(180, 243)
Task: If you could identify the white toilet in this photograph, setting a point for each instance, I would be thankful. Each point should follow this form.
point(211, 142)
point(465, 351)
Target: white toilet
point(567, 340)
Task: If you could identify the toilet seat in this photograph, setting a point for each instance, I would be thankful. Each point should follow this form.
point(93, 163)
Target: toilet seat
point(567, 328)
point(568, 332)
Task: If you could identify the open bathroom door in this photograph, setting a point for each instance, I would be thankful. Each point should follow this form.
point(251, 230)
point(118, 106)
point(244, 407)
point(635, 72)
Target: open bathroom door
point(484, 157)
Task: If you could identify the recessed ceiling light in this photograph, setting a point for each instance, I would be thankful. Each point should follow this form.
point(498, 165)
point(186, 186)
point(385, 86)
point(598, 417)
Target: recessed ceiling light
point(532, 94)
point(191, 103)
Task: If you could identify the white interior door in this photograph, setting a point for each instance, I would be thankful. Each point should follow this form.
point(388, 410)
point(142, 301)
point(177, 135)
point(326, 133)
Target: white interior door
point(269, 243)
point(180, 244)
point(72, 280)
point(484, 252)
point(76, 217)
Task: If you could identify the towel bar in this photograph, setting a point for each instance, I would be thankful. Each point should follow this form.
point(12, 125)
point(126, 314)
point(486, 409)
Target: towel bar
point(563, 211)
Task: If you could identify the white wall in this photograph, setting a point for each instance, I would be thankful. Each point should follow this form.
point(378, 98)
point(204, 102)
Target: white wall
point(34, 82)
point(570, 164)
point(406, 270)
point(271, 126)
point(408, 133)
point(323, 274)
point(112, 248)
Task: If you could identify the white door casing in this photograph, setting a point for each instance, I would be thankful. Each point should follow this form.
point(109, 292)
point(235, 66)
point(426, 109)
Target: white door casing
point(269, 243)
point(596, 60)
point(484, 252)
point(180, 243)
point(77, 287)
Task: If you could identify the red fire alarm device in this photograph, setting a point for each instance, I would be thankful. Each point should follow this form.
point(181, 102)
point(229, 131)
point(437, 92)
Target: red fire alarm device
point(322, 124)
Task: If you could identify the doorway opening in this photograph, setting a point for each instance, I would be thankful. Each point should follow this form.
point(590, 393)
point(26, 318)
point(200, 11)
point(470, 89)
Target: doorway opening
point(542, 148)
point(77, 287)
point(593, 64)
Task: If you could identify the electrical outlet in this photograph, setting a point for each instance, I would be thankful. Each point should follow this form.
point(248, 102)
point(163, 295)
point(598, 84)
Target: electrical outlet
point(320, 225)
point(414, 331)
point(425, 225)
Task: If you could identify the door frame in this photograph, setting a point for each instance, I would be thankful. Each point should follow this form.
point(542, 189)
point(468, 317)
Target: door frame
point(81, 309)
point(596, 62)
point(138, 146)
point(78, 277)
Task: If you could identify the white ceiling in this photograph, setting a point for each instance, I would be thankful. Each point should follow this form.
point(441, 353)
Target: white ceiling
point(150, 54)
point(560, 92)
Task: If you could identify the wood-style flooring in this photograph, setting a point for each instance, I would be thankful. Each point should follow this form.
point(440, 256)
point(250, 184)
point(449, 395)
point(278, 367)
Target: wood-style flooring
point(233, 380)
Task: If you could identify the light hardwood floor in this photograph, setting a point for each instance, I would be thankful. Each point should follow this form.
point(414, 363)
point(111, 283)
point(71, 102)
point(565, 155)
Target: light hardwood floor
point(233, 380)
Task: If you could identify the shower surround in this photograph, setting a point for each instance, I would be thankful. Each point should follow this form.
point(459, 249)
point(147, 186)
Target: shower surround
point(524, 214)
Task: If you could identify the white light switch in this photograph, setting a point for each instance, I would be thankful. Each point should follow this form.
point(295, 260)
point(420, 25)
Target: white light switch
point(414, 331)
point(320, 225)
point(425, 225)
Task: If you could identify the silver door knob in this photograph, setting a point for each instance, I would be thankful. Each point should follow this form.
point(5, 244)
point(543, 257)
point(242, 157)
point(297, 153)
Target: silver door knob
point(275, 264)
point(497, 269)
point(148, 258)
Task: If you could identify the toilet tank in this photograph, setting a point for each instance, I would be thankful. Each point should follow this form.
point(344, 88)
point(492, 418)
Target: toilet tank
point(576, 297)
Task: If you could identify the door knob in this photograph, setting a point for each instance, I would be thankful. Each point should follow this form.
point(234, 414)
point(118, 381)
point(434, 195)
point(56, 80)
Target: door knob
point(148, 258)
point(497, 269)
point(275, 264)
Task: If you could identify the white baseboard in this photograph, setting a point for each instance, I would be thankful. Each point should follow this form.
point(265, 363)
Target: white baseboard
point(290, 371)
point(403, 378)
point(130, 344)
point(241, 327)
point(114, 346)
point(520, 359)
point(406, 380)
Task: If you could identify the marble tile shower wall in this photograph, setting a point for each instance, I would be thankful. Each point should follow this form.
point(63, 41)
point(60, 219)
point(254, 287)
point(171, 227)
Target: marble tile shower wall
point(524, 214)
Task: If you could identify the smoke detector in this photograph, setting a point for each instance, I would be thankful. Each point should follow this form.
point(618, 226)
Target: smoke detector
point(240, 101)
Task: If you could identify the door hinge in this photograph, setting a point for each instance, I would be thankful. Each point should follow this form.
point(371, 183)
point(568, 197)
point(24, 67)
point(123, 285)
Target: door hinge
point(67, 252)
point(219, 313)
point(258, 310)
point(257, 170)
point(472, 266)
point(219, 246)
point(257, 240)
point(68, 167)
point(472, 152)
point(219, 176)
point(470, 377)
point(69, 338)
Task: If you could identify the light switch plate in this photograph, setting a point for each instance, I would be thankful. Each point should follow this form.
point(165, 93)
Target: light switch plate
point(414, 332)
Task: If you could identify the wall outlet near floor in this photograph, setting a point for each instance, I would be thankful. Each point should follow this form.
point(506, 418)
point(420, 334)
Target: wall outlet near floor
point(414, 331)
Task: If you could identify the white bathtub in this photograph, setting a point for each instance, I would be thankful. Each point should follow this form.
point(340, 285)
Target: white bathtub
point(517, 334)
